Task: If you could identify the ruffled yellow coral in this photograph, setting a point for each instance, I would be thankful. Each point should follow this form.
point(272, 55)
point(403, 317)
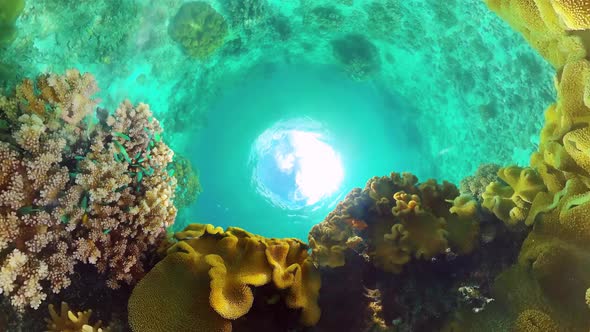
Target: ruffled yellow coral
point(511, 202)
point(539, 23)
point(232, 263)
point(575, 14)
point(174, 296)
point(68, 321)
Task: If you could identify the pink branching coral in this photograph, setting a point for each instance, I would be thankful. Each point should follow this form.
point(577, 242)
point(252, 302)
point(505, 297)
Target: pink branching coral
point(77, 190)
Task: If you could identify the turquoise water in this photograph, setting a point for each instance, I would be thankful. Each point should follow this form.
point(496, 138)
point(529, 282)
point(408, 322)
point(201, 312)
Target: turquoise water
point(362, 118)
point(429, 103)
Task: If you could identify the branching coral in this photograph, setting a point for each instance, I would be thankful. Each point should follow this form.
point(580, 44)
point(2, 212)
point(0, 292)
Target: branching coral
point(401, 220)
point(76, 191)
point(68, 321)
point(359, 56)
point(209, 276)
point(198, 28)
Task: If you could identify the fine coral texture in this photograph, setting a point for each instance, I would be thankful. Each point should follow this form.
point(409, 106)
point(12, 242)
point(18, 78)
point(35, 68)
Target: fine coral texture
point(76, 190)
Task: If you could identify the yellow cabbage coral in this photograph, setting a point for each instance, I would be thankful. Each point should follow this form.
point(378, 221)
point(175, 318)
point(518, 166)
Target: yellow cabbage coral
point(230, 264)
point(575, 14)
point(68, 321)
point(511, 202)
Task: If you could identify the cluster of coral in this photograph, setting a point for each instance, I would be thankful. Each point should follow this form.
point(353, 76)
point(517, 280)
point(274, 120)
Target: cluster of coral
point(76, 188)
point(198, 28)
point(394, 220)
point(188, 186)
point(547, 289)
point(210, 279)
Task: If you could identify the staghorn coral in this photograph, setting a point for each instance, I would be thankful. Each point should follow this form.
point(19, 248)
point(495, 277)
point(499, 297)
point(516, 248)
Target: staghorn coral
point(68, 321)
point(402, 220)
point(76, 191)
point(357, 54)
point(210, 276)
point(198, 28)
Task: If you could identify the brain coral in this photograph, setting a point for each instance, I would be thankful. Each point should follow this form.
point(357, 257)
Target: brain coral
point(198, 28)
point(209, 276)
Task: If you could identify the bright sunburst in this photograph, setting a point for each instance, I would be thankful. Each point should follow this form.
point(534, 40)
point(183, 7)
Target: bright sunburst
point(294, 166)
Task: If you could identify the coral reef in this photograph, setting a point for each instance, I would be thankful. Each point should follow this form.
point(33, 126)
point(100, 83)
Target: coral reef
point(198, 28)
point(409, 255)
point(357, 54)
point(246, 13)
point(476, 184)
point(210, 278)
point(545, 289)
point(325, 18)
point(69, 321)
point(384, 16)
point(76, 190)
point(394, 220)
point(188, 186)
point(10, 10)
point(511, 199)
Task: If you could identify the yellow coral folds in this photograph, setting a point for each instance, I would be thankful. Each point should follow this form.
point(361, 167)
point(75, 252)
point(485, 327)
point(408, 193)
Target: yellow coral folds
point(575, 14)
point(233, 263)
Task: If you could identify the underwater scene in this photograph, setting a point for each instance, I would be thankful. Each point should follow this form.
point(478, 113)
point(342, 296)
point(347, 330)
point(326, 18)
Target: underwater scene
point(295, 165)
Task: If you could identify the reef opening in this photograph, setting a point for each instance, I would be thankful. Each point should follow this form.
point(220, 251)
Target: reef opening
point(329, 126)
point(294, 166)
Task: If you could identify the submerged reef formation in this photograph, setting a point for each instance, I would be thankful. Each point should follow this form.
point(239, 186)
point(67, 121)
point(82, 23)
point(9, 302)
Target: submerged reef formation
point(546, 290)
point(246, 13)
point(198, 28)
point(357, 54)
point(394, 220)
point(76, 189)
point(188, 187)
point(10, 10)
point(409, 254)
point(211, 280)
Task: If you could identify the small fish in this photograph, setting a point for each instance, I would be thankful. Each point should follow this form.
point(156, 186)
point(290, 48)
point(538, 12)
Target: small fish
point(445, 151)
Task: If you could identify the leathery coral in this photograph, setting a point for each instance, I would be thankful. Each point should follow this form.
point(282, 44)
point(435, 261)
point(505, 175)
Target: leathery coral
point(210, 277)
point(401, 220)
point(545, 289)
point(73, 190)
point(66, 320)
